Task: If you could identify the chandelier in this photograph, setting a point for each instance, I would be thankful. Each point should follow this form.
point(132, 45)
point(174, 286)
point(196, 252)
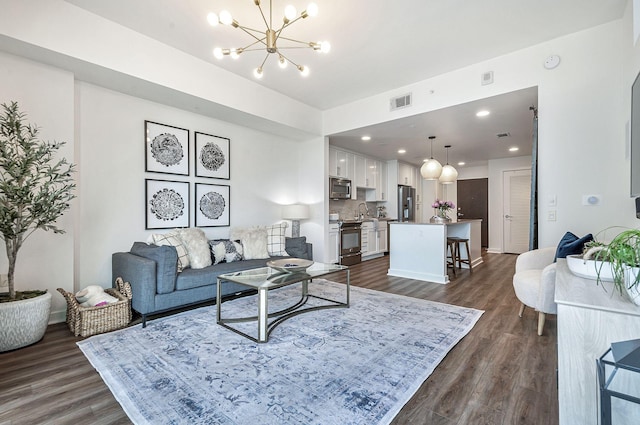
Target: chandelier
point(269, 39)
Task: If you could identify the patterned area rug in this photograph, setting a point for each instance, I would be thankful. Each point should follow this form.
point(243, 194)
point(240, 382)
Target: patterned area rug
point(356, 365)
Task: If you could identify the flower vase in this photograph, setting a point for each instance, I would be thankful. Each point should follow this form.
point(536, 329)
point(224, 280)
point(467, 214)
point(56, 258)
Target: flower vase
point(440, 217)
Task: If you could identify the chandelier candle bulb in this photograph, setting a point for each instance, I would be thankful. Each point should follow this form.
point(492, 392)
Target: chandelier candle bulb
point(213, 19)
point(226, 18)
point(312, 10)
point(290, 13)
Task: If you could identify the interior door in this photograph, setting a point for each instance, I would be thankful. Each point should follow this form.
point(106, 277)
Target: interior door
point(473, 202)
point(517, 195)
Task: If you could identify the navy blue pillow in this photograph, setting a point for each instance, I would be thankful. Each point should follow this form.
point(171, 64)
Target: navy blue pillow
point(570, 244)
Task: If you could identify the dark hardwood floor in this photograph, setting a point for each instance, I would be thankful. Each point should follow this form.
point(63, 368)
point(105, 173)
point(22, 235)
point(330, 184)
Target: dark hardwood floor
point(502, 372)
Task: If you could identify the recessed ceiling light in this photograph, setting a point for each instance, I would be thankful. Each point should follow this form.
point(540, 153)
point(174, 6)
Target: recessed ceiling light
point(366, 138)
point(514, 149)
point(402, 151)
point(482, 113)
point(461, 163)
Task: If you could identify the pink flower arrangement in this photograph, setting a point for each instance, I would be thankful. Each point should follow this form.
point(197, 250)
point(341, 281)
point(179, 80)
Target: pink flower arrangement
point(443, 206)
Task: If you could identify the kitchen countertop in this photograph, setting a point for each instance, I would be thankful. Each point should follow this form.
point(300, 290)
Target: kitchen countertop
point(469, 220)
point(369, 219)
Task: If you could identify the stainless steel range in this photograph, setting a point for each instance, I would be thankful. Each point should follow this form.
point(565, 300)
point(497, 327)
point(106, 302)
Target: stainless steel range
point(350, 242)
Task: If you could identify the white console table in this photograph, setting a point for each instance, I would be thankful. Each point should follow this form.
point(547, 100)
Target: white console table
point(589, 320)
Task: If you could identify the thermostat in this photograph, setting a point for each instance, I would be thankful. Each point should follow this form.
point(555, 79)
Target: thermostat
point(591, 199)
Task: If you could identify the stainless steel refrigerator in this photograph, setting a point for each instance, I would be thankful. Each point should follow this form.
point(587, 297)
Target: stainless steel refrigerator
point(406, 203)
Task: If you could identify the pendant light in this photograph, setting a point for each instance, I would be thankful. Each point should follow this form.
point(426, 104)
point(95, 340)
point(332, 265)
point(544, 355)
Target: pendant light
point(431, 169)
point(449, 174)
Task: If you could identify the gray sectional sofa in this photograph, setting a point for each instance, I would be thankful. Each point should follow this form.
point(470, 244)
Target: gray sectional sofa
point(158, 287)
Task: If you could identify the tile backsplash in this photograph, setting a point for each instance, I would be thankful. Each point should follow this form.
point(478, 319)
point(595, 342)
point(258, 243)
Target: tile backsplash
point(348, 209)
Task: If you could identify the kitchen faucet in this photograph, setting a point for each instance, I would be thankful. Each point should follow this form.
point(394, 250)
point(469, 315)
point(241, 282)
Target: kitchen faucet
point(365, 208)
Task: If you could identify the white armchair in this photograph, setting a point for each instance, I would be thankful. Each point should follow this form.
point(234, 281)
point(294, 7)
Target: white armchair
point(535, 282)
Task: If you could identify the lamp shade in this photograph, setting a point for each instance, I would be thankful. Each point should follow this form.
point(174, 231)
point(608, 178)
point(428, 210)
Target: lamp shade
point(295, 212)
point(449, 174)
point(431, 169)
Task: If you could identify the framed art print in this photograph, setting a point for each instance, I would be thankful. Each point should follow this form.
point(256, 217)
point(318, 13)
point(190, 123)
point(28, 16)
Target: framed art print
point(212, 156)
point(212, 205)
point(166, 149)
point(167, 204)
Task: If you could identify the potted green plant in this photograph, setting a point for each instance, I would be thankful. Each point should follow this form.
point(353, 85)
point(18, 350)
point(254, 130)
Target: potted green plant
point(622, 257)
point(35, 190)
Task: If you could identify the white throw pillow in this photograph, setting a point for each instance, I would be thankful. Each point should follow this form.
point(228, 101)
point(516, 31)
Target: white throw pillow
point(276, 240)
point(253, 240)
point(219, 252)
point(172, 239)
point(197, 247)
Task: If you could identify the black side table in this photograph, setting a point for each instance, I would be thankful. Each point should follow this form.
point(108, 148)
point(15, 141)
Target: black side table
point(612, 375)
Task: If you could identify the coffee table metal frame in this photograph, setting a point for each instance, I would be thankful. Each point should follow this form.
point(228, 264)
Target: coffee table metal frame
point(265, 279)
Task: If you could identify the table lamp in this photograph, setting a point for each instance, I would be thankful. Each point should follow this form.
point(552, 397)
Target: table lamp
point(295, 213)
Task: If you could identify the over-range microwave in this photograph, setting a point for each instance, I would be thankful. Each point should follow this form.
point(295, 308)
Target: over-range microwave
point(339, 188)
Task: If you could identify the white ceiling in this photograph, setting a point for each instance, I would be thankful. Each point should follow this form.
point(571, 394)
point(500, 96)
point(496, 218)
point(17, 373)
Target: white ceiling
point(379, 45)
point(473, 140)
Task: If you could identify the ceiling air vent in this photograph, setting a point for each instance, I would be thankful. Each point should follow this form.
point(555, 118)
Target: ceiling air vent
point(501, 135)
point(400, 102)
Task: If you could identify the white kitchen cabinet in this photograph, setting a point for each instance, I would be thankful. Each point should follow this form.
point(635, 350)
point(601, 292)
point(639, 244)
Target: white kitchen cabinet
point(406, 174)
point(382, 183)
point(364, 238)
point(371, 172)
point(361, 171)
point(382, 237)
point(341, 163)
point(378, 175)
point(372, 237)
point(366, 172)
point(334, 244)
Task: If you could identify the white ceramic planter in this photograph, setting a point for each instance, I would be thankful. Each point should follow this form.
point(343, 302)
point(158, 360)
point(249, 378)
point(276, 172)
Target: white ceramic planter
point(589, 269)
point(23, 322)
point(634, 292)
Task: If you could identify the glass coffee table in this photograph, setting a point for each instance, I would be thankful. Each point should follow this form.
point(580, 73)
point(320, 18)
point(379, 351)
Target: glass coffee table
point(265, 279)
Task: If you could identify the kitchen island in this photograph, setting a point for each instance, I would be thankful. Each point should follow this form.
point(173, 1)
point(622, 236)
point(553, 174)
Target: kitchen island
point(419, 250)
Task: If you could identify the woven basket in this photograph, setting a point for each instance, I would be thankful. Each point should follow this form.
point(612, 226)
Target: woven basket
point(87, 321)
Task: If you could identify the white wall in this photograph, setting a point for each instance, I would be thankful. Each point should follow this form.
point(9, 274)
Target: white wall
point(45, 94)
point(265, 174)
point(267, 171)
point(582, 110)
point(468, 173)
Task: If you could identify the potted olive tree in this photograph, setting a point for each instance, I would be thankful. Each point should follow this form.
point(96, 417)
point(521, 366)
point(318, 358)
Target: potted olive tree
point(35, 190)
